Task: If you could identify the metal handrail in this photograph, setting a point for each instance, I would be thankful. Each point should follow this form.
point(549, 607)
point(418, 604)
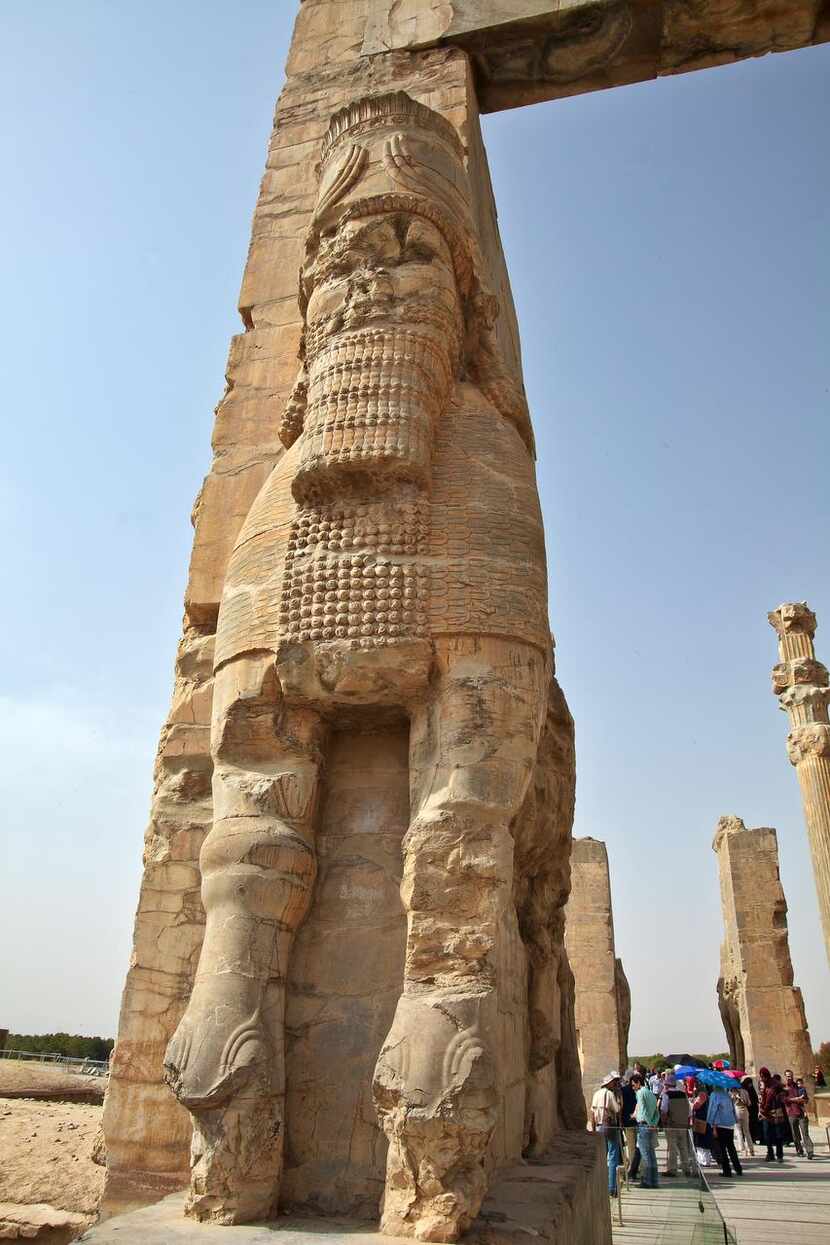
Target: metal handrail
point(728, 1237)
point(697, 1179)
point(92, 1067)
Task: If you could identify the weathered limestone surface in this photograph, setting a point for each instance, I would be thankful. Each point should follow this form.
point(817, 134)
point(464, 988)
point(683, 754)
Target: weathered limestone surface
point(801, 685)
point(365, 690)
point(449, 510)
point(762, 1011)
point(563, 1201)
point(147, 1132)
point(529, 50)
point(38, 1221)
point(603, 998)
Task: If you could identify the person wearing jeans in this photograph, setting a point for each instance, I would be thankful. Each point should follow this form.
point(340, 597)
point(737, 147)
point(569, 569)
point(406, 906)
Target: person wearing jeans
point(647, 1115)
point(796, 1108)
point(674, 1113)
point(743, 1131)
point(605, 1119)
point(720, 1116)
point(629, 1127)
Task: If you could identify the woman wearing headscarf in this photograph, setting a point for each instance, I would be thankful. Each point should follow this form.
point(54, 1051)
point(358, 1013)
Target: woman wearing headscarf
point(703, 1135)
point(772, 1111)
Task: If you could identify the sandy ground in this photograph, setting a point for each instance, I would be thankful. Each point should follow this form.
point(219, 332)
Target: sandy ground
point(46, 1147)
point(35, 1079)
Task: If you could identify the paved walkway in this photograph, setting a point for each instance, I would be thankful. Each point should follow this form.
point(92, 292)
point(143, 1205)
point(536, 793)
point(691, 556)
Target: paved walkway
point(778, 1203)
point(772, 1204)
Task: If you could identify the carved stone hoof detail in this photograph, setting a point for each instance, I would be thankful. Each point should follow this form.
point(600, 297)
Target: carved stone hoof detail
point(204, 1075)
point(435, 1093)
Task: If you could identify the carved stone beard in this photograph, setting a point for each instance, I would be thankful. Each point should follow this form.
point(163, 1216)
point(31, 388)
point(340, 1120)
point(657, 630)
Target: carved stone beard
point(380, 371)
point(374, 395)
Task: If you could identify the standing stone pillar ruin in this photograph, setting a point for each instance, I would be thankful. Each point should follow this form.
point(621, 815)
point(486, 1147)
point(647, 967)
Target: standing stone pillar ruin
point(602, 1005)
point(349, 986)
point(349, 962)
point(761, 1009)
point(801, 685)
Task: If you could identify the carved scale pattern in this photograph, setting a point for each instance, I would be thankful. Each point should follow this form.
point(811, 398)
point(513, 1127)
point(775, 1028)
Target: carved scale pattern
point(361, 598)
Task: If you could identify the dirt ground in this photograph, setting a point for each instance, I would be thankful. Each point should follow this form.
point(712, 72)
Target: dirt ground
point(46, 1147)
point(19, 1077)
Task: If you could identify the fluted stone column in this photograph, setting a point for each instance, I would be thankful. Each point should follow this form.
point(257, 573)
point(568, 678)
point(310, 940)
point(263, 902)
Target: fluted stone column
point(801, 685)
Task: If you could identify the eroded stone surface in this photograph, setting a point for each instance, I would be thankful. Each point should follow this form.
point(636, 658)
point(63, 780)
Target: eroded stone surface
point(530, 50)
point(801, 685)
point(561, 1202)
point(373, 576)
point(762, 1011)
point(391, 759)
point(603, 999)
point(39, 1222)
point(368, 565)
point(369, 546)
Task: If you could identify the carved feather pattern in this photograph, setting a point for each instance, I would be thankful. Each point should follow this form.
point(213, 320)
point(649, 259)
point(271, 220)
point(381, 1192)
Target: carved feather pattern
point(417, 177)
point(343, 175)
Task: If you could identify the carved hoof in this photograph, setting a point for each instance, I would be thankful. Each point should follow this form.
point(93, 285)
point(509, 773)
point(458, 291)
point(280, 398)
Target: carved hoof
point(207, 1062)
point(435, 1059)
point(434, 1090)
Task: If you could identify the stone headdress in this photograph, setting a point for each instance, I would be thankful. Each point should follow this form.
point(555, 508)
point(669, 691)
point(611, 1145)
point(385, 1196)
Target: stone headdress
point(389, 153)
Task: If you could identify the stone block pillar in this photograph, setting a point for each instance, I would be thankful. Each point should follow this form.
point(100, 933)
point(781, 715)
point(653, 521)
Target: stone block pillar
point(603, 998)
point(801, 685)
point(348, 962)
point(762, 1011)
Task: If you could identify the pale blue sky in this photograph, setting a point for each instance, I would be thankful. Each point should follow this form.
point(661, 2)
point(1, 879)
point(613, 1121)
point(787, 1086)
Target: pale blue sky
point(668, 245)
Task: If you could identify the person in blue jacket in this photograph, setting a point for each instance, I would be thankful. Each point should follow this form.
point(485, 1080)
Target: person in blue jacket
point(720, 1116)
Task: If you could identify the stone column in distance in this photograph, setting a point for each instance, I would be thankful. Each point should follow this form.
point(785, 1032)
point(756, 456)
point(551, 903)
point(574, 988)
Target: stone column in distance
point(801, 685)
point(761, 1007)
point(602, 1001)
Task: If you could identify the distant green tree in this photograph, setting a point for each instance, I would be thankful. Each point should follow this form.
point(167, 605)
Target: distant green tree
point(649, 1061)
point(659, 1061)
point(72, 1045)
point(822, 1058)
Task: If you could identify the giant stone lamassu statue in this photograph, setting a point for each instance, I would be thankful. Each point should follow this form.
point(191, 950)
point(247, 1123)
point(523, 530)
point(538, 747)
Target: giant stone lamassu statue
point(391, 568)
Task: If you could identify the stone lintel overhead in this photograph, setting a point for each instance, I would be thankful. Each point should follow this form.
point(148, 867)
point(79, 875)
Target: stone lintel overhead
point(527, 51)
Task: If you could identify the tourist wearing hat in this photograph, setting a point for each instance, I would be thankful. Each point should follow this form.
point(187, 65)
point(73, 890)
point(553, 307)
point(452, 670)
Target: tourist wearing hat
point(674, 1114)
point(606, 1110)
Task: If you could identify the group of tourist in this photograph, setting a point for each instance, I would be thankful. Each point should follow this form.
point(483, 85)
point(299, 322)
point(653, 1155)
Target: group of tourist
point(705, 1125)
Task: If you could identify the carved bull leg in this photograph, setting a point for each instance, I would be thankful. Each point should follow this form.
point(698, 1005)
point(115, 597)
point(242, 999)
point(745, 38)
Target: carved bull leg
point(472, 754)
point(225, 1062)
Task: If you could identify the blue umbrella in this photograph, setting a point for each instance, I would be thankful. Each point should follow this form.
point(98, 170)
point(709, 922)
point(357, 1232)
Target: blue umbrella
point(686, 1069)
point(718, 1080)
